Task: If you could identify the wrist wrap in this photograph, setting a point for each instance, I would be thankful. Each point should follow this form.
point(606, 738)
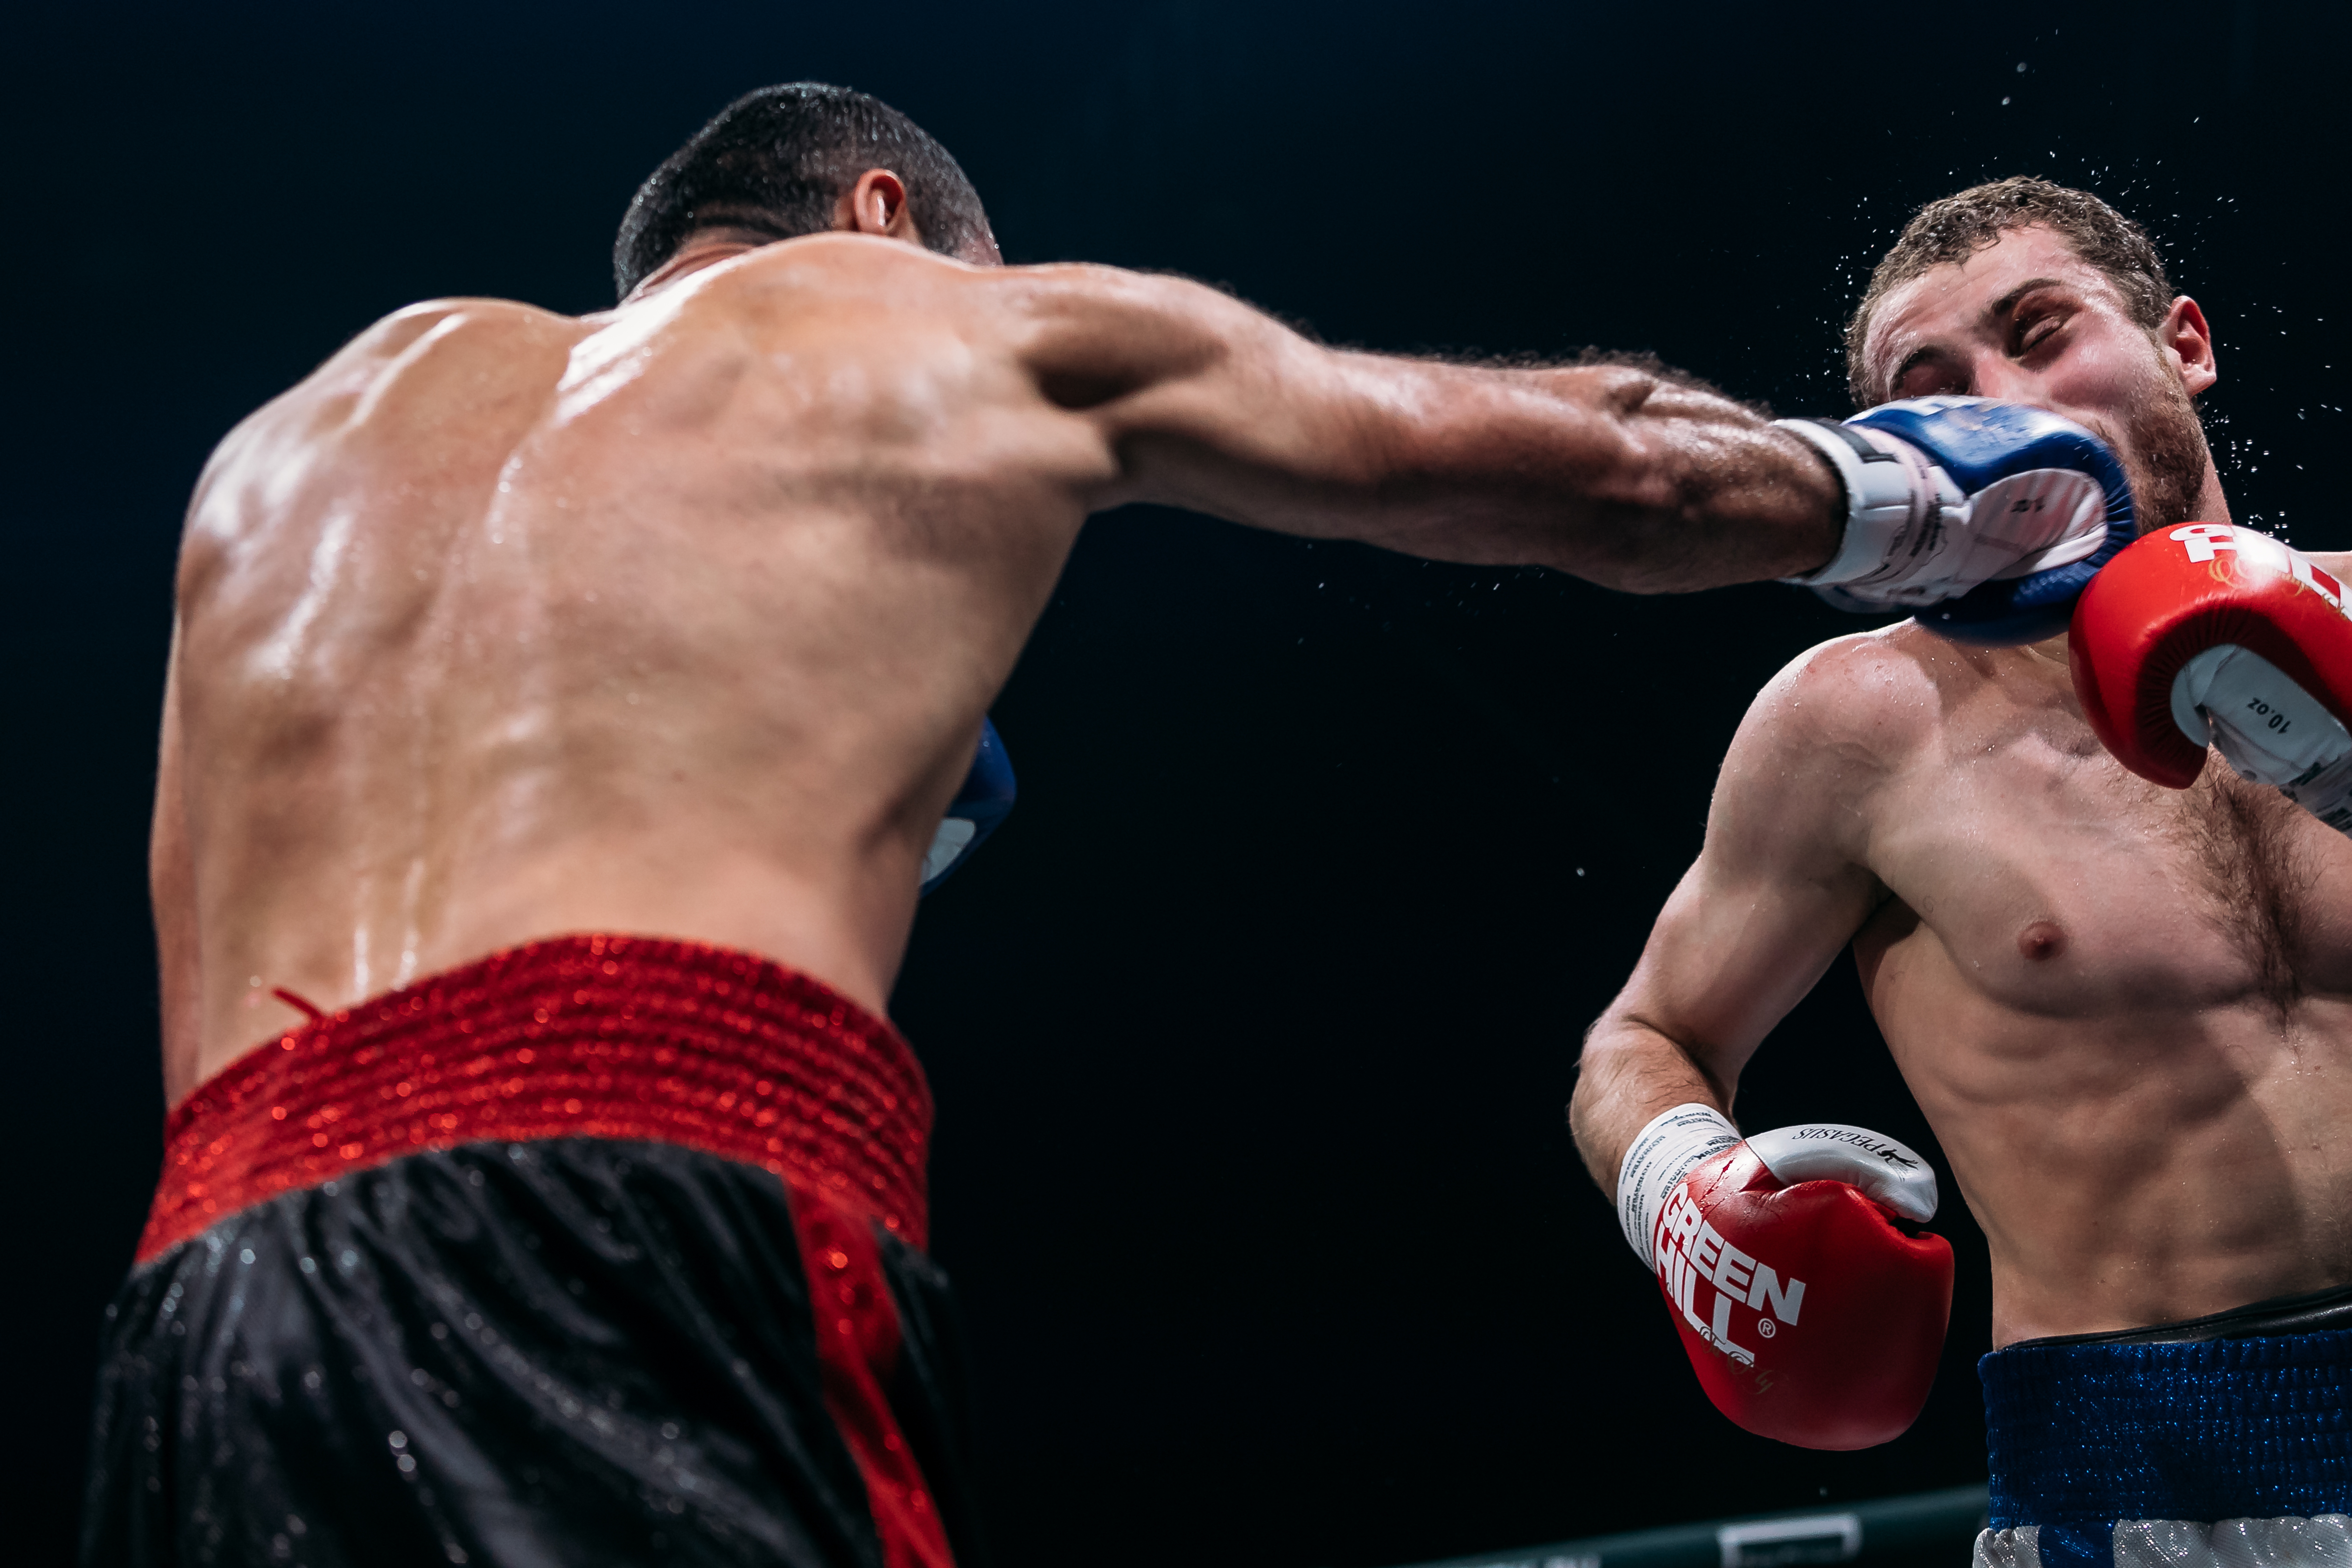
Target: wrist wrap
point(1659, 1156)
point(1883, 495)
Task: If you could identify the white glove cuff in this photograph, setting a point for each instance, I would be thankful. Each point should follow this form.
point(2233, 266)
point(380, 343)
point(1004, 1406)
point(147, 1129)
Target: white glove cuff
point(1888, 483)
point(1884, 1168)
point(1659, 1156)
point(2268, 728)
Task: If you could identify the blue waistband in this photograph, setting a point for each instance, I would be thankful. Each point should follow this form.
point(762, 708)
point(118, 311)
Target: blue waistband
point(2089, 1434)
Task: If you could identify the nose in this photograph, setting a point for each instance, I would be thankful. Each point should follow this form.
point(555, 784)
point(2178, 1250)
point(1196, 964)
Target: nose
point(1998, 376)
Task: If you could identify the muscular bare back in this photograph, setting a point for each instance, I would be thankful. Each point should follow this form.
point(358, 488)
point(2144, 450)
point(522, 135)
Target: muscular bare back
point(681, 619)
point(2126, 1011)
point(676, 619)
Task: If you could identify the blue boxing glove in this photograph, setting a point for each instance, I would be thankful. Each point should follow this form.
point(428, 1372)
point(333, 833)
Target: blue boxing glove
point(985, 800)
point(1987, 518)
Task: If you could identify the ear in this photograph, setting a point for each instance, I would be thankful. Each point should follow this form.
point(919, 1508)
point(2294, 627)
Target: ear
point(876, 205)
point(2185, 336)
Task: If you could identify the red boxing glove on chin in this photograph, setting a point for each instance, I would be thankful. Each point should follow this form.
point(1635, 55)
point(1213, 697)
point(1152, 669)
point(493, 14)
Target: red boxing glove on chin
point(1810, 1315)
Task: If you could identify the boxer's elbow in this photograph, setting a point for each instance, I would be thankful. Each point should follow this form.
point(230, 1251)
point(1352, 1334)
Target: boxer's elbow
point(1635, 1040)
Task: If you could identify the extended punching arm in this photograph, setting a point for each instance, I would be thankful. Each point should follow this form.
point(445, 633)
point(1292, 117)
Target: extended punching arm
point(1626, 475)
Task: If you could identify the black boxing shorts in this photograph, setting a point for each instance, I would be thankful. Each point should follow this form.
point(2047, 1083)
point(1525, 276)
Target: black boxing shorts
point(600, 1250)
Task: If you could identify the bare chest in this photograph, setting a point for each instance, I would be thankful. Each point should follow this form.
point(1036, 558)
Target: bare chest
point(2059, 885)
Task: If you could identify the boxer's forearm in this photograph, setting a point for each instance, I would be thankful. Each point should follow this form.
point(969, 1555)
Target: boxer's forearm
point(1631, 1071)
point(1616, 475)
point(1620, 475)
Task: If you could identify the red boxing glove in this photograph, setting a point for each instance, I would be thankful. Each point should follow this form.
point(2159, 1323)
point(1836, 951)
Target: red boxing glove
point(1810, 1314)
point(2207, 632)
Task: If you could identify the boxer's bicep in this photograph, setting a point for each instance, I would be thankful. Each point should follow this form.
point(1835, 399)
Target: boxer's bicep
point(1230, 412)
point(1740, 943)
point(171, 873)
point(1198, 400)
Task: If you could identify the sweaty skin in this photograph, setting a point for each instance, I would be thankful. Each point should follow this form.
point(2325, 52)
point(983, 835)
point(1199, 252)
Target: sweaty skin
point(2125, 1011)
point(680, 619)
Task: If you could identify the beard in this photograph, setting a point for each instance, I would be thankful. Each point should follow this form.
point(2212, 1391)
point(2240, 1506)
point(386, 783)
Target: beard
point(2164, 455)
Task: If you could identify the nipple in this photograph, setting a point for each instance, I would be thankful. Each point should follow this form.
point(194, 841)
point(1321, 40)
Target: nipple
point(2041, 941)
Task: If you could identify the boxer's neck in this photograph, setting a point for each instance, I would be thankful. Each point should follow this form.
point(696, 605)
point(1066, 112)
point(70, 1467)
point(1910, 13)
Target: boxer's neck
point(696, 257)
point(2054, 652)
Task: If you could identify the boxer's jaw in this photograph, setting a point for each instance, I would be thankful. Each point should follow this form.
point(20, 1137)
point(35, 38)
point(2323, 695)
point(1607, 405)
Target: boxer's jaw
point(2028, 321)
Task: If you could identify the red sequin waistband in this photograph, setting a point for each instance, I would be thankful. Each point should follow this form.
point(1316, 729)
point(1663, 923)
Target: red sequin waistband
point(596, 1037)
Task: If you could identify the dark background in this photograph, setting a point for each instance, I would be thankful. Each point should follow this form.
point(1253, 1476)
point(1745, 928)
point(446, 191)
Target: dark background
point(1252, 1029)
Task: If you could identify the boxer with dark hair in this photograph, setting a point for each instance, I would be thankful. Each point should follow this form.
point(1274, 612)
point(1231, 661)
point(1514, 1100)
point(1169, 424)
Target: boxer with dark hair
point(2118, 980)
point(775, 163)
point(564, 717)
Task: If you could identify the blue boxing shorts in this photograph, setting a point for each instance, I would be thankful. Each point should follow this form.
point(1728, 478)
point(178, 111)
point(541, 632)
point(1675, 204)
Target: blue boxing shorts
point(2219, 1442)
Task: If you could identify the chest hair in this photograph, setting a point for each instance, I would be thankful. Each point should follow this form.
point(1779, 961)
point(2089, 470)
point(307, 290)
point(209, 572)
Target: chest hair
point(2243, 840)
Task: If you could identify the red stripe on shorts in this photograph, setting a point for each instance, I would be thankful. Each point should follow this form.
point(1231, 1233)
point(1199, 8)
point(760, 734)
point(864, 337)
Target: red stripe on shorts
point(595, 1036)
point(613, 1036)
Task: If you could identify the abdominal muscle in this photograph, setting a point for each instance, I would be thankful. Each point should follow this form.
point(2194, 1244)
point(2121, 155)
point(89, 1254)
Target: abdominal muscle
point(2129, 1168)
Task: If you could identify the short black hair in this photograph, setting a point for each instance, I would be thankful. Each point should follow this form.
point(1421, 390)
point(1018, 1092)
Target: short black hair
point(777, 161)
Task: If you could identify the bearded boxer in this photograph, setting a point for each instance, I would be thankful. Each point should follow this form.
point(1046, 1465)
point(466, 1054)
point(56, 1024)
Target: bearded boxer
point(2125, 1006)
point(561, 716)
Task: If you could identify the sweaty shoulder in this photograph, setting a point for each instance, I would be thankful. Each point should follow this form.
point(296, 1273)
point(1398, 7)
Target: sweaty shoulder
point(1869, 699)
point(893, 308)
point(446, 351)
point(1839, 723)
point(471, 338)
point(436, 377)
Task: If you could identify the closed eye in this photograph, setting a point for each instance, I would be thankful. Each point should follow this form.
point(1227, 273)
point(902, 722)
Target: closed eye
point(2038, 317)
point(1927, 374)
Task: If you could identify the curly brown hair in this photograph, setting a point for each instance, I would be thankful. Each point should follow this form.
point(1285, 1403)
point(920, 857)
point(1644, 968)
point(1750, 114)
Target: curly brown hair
point(1959, 225)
